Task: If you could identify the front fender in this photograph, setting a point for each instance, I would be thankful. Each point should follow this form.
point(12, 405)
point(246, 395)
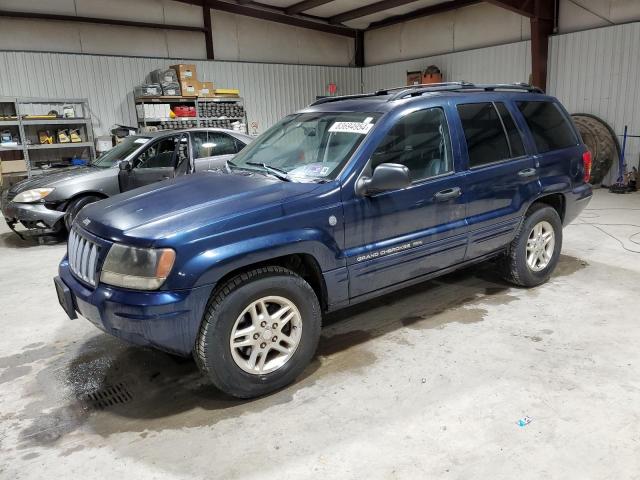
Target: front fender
point(212, 264)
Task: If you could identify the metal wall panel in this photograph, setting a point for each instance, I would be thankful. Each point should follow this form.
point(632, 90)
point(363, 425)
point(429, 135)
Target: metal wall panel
point(270, 90)
point(597, 71)
point(502, 64)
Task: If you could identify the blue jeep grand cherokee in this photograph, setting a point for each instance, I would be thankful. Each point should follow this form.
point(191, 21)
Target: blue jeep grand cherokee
point(346, 200)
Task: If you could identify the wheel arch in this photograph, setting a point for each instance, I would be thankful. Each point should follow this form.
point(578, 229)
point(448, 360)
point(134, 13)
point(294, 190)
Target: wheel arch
point(303, 264)
point(83, 193)
point(557, 201)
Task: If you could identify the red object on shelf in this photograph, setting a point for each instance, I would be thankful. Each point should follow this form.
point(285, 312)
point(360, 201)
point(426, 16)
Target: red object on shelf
point(184, 111)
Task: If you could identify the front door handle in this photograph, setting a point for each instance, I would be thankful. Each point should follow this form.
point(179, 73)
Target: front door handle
point(527, 172)
point(448, 194)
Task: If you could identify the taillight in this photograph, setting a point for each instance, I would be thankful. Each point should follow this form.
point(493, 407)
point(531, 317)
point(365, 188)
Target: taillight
point(586, 162)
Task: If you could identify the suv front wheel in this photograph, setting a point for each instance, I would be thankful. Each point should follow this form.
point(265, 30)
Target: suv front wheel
point(534, 252)
point(259, 332)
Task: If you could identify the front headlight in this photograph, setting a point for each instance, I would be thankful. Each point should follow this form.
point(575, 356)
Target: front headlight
point(137, 268)
point(30, 196)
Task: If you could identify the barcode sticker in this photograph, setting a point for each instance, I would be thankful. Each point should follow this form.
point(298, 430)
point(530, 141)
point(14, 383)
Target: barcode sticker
point(351, 127)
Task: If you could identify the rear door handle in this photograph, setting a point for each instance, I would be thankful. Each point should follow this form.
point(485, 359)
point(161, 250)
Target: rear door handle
point(448, 194)
point(527, 172)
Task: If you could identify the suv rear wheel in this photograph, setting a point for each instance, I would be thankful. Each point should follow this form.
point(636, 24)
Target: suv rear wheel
point(533, 254)
point(259, 332)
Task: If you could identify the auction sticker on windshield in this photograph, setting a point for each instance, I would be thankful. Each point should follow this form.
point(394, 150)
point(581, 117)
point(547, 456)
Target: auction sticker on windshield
point(351, 127)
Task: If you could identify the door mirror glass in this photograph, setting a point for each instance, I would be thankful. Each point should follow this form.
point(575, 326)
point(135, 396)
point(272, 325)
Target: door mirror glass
point(125, 165)
point(386, 176)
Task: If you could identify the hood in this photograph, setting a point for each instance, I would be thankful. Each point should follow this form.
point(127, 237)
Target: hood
point(51, 179)
point(158, 211)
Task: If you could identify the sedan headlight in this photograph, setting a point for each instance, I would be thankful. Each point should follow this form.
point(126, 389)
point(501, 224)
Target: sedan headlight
point(30, 196)
point(137, 268)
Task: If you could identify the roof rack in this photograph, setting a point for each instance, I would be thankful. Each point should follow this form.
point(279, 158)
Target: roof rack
point(398, 93)
point(417, 90)
point(320, 101)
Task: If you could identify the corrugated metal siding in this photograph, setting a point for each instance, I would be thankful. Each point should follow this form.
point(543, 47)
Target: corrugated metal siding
point(502, 64)
point(597, 71)
point(270, 90)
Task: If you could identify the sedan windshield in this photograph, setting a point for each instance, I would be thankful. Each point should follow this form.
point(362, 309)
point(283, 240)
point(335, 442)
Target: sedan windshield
point(307, 147)
point(121, 151)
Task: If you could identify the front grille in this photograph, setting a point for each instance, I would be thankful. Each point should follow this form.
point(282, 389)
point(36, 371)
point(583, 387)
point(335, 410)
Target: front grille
point(11, 195)
point(83, 257)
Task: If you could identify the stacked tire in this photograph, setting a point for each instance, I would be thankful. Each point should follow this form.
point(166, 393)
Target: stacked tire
point(601, 141)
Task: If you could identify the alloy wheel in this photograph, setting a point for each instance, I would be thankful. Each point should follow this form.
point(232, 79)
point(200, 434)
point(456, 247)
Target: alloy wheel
point(266, 335)
point(540, 246)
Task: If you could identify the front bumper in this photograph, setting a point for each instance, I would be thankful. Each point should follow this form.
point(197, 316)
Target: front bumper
point(31, 215)
point(167, 320)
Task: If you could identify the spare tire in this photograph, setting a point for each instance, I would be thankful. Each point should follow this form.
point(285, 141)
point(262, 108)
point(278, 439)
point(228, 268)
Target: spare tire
point(601, 141)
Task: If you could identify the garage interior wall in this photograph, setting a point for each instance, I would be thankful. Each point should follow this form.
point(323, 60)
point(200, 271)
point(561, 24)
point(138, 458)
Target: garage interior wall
point(597, 71)
point(458, 30)
point(271, 90)
point(499, 64)
point(235, 37)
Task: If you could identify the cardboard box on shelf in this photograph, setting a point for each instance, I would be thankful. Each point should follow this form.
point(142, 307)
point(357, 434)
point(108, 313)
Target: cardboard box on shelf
point(185, 72)
point(190, 88)
point(206, 90)
point(414, 78)
point(13, 166)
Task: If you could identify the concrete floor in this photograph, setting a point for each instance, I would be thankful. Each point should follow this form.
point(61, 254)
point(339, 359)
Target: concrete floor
point(426, 383)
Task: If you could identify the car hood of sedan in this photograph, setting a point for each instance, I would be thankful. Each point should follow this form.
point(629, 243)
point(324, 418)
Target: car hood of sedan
point(162, 210)
point(53, 178)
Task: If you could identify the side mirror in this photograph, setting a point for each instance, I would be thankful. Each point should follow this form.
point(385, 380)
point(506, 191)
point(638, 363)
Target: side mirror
point(386, 176)
point(125, 166)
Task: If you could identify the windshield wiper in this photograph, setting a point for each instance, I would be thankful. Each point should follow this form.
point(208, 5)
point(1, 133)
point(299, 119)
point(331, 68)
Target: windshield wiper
point(275, 171)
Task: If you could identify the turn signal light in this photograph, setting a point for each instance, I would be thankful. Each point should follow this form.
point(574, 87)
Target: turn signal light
point(586, 162)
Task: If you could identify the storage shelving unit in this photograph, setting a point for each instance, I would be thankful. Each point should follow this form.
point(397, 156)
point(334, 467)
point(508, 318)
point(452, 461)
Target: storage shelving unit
point(17, 113)
point(200, 120)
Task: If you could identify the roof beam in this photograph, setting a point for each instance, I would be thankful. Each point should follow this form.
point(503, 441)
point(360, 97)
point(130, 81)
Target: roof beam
point(208, 31)
point(368, 10)
point(101, 21)
point(305, 5)
point(423, 12)
point(521, 7)
point(272, 14)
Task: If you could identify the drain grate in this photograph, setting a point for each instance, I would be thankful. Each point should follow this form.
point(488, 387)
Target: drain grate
point(108, 396)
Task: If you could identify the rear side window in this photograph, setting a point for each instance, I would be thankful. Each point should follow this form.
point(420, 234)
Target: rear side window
point(550, 128)
point(486, 140)
point(513, 135)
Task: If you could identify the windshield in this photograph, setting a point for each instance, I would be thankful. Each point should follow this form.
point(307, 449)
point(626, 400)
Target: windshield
point(307, 147)
point(121, 151)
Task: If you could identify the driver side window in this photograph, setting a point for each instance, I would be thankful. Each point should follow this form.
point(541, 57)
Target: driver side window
point(158, 155)
point(420, 142)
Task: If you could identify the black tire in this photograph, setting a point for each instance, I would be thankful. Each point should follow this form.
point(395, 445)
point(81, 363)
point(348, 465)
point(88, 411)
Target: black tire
point(514, 263)
point(213, 351)
point(74, 208)
point(601, 141)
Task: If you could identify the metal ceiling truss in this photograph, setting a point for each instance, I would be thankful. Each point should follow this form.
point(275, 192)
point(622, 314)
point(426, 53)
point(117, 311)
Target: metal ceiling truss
point(542, 14)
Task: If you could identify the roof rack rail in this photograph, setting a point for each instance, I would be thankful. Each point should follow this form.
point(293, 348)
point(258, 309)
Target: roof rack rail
point(417, 90)
point(320, 101)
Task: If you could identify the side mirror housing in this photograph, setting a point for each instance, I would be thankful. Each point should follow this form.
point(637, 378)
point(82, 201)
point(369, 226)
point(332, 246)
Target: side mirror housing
point(125, 165)
point(386, 176)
